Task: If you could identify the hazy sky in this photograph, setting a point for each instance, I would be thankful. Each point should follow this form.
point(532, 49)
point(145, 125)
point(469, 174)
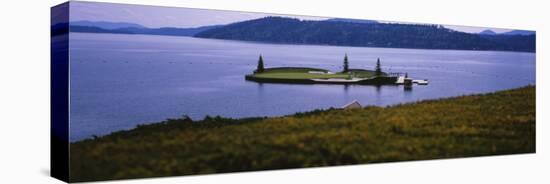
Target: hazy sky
point(157, 16)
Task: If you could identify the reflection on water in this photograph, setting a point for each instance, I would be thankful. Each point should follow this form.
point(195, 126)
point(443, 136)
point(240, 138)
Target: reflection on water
point(407, 89)
point(119, 81)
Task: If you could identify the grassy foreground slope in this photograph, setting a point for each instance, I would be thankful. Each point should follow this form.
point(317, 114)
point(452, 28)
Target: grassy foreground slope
point(477, 125)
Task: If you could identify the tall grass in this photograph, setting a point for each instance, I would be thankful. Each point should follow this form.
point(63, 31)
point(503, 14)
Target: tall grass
point(477, 125)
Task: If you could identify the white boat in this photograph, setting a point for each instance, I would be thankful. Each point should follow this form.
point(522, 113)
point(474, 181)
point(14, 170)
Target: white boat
point(421, 82)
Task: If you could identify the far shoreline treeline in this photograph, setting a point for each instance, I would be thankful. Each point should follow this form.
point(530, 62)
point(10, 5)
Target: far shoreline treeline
point(280, 30)
point(385, 35)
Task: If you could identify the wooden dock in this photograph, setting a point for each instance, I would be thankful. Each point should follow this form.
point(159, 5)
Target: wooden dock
point(400, 80)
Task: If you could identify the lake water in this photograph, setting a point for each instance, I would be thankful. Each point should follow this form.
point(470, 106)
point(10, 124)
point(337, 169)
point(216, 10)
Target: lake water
point(120, 81)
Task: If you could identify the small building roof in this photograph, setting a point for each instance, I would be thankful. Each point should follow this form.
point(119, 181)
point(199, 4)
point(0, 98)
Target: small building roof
point(352, 105)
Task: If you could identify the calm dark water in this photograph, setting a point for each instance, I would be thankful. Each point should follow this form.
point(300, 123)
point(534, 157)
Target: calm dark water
point(119, 81)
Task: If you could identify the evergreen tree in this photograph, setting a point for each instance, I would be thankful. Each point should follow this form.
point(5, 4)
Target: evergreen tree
point(260, 67)
point(378, 71)
point(346, 64)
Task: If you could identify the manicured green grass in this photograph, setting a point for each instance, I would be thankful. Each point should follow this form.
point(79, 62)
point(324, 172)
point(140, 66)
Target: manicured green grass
point(361, 73)
point(477, 125)
point(303, 73)
point(294, 75)
point(292, 70)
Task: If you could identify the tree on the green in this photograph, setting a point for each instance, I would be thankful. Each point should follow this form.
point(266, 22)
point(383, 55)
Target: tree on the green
point(260, 67)
point(346, 64)
point(378, 71)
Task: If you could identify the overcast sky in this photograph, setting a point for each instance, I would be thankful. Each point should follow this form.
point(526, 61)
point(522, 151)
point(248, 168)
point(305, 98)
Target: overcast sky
point(156, 16)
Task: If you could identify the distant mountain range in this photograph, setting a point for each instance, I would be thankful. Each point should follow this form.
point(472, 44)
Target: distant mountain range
point(487, 32)
point(339, 32)
point(131, 28)
point(519, 32)
point(344, 33)
point(107, 25)
point(514, 32)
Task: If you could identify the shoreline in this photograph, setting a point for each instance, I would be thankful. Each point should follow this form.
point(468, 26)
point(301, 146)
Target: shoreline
point(291, 44)
point(300, 112)
point(303, 75)
point(316, 110)
point(373, 81)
